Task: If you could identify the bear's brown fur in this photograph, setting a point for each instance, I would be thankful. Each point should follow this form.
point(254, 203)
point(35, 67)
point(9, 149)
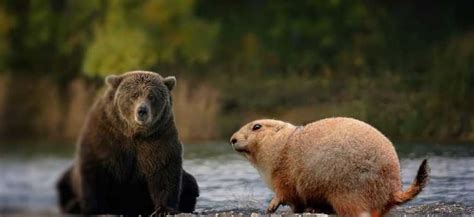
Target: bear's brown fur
point(337, 165)
point(129, 157)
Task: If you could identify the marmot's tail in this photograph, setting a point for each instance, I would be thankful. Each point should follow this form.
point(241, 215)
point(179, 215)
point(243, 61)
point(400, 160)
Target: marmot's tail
point(416, 186)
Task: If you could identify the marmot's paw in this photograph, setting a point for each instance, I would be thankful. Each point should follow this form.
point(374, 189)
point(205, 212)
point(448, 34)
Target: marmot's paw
point(273, 206)
point(270, 210)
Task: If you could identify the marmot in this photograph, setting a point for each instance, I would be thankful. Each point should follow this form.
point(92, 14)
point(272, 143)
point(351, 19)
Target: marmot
point(339, 165)
point(129, 157)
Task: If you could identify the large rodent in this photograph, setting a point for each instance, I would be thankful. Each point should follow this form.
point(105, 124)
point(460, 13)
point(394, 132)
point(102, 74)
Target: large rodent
point(335, 165)
point(129, 157)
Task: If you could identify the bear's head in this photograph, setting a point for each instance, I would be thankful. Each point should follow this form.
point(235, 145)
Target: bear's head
point(141, 99)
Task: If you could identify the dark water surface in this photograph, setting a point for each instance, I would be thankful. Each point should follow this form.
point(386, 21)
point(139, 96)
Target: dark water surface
point(228, 182)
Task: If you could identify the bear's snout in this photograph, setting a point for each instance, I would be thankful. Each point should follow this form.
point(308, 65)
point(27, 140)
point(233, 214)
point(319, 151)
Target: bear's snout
point(142, 112)
point(142, 115)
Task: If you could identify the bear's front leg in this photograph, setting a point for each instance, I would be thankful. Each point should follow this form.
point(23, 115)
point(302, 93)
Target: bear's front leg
point(164, 187)
point(93, 187)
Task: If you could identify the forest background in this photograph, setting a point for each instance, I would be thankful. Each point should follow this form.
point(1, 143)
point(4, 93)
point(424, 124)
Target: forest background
point(406, 67)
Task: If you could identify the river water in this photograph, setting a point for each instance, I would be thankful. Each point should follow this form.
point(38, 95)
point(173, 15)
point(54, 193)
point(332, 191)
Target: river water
point(228, 182)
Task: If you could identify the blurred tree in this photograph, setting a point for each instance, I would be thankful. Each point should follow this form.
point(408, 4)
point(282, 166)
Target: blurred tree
point(405, 66)
point(301, 36)
point(118, 44)
point(49, 35)
point(6, 24)
point(142, 36)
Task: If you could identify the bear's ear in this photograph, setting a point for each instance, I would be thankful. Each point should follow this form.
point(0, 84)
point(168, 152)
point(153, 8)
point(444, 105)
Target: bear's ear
point(170, 82)
point(113, 80)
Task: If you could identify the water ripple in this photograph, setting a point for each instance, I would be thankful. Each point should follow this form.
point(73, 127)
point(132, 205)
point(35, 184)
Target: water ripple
point(228, 182)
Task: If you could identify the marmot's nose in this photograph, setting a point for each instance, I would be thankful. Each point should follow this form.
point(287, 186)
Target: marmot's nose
point(233, 141)
point(142, 112)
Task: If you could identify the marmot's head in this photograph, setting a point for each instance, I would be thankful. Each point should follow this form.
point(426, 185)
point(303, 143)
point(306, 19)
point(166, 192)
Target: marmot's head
point(259, 135)
point(141, 98)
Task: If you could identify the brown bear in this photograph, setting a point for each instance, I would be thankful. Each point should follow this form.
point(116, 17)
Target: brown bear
point(339, 165)
point(69, 202)
point(128, 157)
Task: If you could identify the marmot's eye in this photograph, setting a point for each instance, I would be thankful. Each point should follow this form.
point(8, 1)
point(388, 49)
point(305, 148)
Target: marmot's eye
point(256, 127)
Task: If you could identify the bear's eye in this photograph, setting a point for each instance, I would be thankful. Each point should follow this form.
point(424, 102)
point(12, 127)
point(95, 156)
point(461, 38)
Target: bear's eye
point(135, 95)
point(151, 97)
point(256, 127)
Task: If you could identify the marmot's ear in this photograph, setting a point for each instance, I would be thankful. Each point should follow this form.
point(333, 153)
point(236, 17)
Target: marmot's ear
point(170, 82)
point(113, 80)
point(279, 127)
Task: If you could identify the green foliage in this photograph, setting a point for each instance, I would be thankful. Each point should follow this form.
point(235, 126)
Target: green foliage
point(453, 70)
point(47, 37)
point(178, 35)
point(6, 23)
point(109, 54)
point(143, 36)
point(117, 46)
point(403, 66)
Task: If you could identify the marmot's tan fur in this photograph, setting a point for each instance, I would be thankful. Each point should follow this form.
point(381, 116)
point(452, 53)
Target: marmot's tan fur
point(337, 165)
